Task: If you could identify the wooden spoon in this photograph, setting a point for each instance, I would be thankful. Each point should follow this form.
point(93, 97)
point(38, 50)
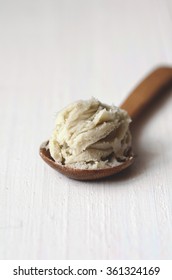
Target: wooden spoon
point(143, 94)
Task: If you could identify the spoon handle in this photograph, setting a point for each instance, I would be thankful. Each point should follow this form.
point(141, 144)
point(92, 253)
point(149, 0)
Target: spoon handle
point(147, 90)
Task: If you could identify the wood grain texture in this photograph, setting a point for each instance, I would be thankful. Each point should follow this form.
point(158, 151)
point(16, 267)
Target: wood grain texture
point(55, 52)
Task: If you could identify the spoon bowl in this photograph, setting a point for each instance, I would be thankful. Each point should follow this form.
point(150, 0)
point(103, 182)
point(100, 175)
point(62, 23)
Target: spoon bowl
point(134, 104)
point(82, 174)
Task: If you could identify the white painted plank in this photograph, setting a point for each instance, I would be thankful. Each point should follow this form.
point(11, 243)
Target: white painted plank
point(54, 52)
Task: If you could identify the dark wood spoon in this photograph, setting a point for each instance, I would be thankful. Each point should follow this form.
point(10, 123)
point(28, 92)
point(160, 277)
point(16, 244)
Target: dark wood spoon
point(135, 103)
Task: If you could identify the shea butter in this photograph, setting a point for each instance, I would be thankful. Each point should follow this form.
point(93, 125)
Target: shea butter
point(91, 135)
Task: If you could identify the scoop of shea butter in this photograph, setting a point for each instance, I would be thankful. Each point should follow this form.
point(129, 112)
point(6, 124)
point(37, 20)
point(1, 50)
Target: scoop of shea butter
point(91, 135)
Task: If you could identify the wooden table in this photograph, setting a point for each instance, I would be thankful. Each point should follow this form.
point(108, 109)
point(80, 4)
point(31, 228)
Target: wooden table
point(53, 53)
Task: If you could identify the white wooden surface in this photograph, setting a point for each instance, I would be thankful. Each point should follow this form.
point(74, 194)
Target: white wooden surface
point(53, 52)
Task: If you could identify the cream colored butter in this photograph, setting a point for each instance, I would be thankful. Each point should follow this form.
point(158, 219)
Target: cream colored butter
point(91, 135)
